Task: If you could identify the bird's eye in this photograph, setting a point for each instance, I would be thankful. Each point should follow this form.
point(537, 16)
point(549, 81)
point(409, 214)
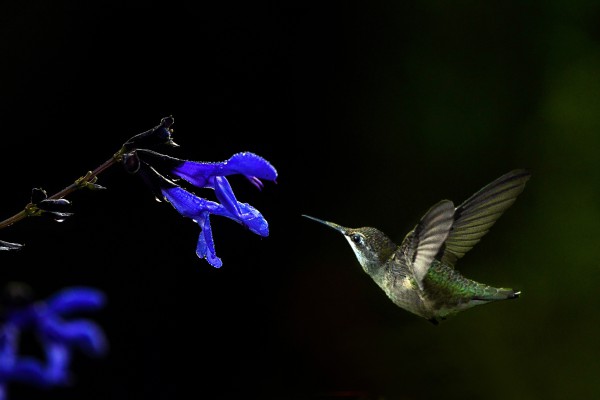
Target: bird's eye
point(356, 238)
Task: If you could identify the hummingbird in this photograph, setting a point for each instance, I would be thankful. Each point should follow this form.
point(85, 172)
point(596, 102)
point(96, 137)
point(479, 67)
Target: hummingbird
point(419, 275)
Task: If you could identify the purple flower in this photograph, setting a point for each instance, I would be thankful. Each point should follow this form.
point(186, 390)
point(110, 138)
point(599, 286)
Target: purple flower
point(57, 335)
point(210, 175)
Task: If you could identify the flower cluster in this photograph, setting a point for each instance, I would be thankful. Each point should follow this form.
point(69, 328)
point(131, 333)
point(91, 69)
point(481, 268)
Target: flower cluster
point(57, 336)
point(211, 175)
point(166, 176)
point(137, 158)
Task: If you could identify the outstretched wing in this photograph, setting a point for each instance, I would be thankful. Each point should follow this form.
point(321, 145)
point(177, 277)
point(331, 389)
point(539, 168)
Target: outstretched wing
point(474, 217)
point(423, 243)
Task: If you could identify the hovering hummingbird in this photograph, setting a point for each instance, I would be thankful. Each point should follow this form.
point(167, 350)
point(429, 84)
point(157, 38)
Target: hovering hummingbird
point(419, 275)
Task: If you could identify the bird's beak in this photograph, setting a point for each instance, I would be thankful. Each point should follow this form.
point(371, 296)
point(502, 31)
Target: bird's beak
point(337, 227)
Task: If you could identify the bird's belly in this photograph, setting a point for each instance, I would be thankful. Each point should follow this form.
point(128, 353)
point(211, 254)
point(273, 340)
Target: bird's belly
point(405, 294)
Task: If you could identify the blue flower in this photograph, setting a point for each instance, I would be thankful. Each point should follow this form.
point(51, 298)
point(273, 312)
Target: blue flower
point(210, 175)
point(57, 335)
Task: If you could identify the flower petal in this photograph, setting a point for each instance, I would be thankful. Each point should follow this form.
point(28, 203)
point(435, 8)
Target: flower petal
point(206, 245)
point(188, 204)
point(58, 358)
point(243, 213)
point(191, 206)
point(224, 194)
point(26, 370)
point(246, 163)
point(9, 337)
point(253, 220)
point(76, 299)
point(23, 317)
point(250, 164)
point(84, 334)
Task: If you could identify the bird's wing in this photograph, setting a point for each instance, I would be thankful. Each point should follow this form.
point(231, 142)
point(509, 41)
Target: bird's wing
point(474, 217)
point(423, 243)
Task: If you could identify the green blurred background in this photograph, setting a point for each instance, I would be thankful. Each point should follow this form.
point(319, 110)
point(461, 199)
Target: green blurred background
point(371, 112)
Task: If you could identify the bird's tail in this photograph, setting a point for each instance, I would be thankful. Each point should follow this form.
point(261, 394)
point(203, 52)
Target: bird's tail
point(489, 293)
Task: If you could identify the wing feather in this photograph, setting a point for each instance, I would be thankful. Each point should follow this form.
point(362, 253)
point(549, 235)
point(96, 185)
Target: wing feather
point(474, 217)
point(423, 243)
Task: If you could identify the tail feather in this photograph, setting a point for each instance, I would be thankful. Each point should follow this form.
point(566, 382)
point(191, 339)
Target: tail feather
point(494, 294)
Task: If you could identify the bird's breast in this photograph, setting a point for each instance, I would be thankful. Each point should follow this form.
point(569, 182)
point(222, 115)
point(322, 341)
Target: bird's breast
point(405, 293)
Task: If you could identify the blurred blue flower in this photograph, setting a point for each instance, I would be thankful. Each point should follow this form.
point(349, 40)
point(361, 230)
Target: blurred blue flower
point(57, 336)
point(211, 175)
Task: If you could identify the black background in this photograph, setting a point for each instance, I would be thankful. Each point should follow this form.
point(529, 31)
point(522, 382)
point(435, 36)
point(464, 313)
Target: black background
point(370, 114)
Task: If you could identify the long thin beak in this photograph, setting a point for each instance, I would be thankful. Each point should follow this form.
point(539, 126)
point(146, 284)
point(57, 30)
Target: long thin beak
point(337, 227)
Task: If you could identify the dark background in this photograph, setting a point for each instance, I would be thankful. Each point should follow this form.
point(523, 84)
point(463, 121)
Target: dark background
point(371, 114)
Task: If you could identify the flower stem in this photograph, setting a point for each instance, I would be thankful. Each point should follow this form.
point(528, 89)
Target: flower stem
point(15, 218)
point(80, 183)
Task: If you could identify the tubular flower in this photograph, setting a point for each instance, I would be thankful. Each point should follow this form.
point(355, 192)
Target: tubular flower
point(57, 336)
point(210, 175)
